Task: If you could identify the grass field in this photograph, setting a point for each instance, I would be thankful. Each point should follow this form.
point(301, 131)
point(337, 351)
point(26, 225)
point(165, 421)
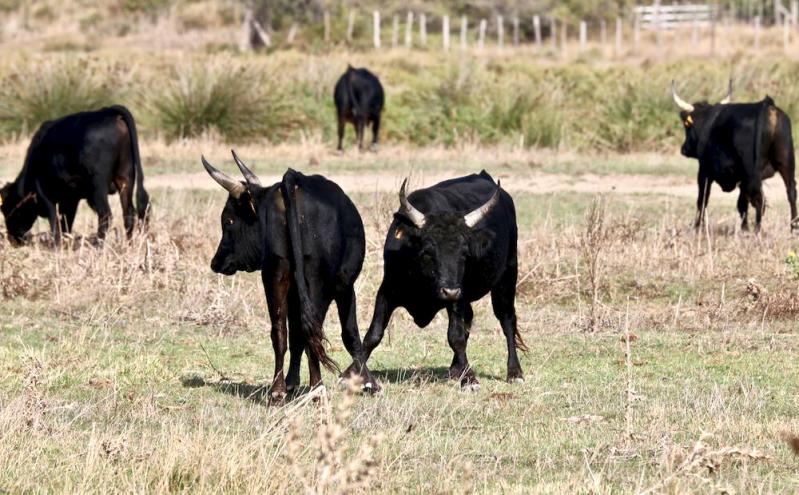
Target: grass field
point(135, 368)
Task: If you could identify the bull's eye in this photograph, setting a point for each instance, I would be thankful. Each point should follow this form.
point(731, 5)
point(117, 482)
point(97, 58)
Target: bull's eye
point(229, 221)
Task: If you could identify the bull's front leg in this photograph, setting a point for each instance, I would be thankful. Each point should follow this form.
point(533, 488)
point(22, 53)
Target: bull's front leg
point(704, 184)
point(458, 337)
point(380, 319)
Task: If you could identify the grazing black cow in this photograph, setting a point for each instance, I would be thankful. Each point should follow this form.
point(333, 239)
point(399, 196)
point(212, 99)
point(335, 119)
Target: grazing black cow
point(307, 238)
point(448, 246)
point(87, 155)
point(359, 99)
point(739, 145)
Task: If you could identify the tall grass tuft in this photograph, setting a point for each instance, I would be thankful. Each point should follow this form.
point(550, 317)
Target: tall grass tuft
point(235, 101)
point(47, 90)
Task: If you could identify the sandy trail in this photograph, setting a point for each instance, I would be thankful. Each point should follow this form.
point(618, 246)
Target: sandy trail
point(533, 182)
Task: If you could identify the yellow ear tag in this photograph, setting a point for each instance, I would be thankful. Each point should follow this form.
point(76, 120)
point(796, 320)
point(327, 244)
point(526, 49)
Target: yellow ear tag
point(398, 234)
point(689, 121)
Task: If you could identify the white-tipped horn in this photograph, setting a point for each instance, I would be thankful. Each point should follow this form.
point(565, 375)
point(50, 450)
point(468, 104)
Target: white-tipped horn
point(684, 105)
point(473, 217)
point(727, 98)
point(234, 187)
point(414, 215)
point(249, 176)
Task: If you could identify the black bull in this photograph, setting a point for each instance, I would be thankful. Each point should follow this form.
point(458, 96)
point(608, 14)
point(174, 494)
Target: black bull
point(307, 239)
point(739, 145)
point(448, 246)
point(87, 155)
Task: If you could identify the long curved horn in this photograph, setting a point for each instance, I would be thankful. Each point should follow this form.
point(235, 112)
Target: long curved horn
point(414, 215)
point(234, 187)
point(474, 216)
point(727, 98)
point(246, 172)
point(684, 105)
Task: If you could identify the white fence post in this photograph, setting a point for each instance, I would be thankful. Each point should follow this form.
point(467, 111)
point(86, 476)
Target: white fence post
point(537, 30)
point(636, 33)
point(583, 35)
point(603, 33)
point(376, 28)
point(350, 26)
point(327, 27)
point(395, 31)
point(564, 36)
point(515, 31)
point(553, 35)
point(786, 33)
point(500, 31)
point(757, 32)
point(423, 29)
point(464, 32)
point(445, 32)
point(618, 36)
point(481, 41)
point(409, 30)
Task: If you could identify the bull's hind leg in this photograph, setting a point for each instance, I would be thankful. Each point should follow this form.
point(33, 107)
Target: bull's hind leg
point(99, 203)
point(743, 209)
point(375, 133)
point(360, 128)
point(275, 278)
point(345, 302)
point(755, 194)
point(341, 126)
point(785, 166)
point(380, 319)
point(503, 297)
point(67, 210)
point(296, 342)
point(125, 187)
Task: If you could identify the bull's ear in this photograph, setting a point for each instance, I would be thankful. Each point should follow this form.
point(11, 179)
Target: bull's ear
point(480, 242)
point(247, 205)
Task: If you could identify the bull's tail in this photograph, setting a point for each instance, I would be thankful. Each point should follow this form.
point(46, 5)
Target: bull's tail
point(355, 107)
point(142, 198)
point(517, 338)
point(311, 326)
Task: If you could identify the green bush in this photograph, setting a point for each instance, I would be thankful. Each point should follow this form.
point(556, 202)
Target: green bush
point(42, 91)
point(235, 101)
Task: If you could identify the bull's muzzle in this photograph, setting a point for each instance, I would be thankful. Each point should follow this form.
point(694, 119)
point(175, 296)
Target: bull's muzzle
point(449, 293)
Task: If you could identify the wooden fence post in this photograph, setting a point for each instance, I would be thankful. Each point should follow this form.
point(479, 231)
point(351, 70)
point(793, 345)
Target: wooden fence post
point(786, 33)
point(636, 33)
point(464, 32)
point(327, 27)
point(564, 36)
point(445, 32)
point(618, 36)
point(537, 31)
point(350, 26)
point(376, 28)
point(515, 31)
point(553, 35)
point(481, 40)
point(395, 31)
point(423, 29)
point(409, 30)
point(500, 31)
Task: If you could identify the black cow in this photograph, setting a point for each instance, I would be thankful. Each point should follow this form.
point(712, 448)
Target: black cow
point(448, 246)
point(359, 99)
point(87, 155)
point(739, 145)
point(307, 239)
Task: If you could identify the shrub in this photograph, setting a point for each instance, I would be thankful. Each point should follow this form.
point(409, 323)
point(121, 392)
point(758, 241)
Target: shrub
point(43, 91)
point(235, 101)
